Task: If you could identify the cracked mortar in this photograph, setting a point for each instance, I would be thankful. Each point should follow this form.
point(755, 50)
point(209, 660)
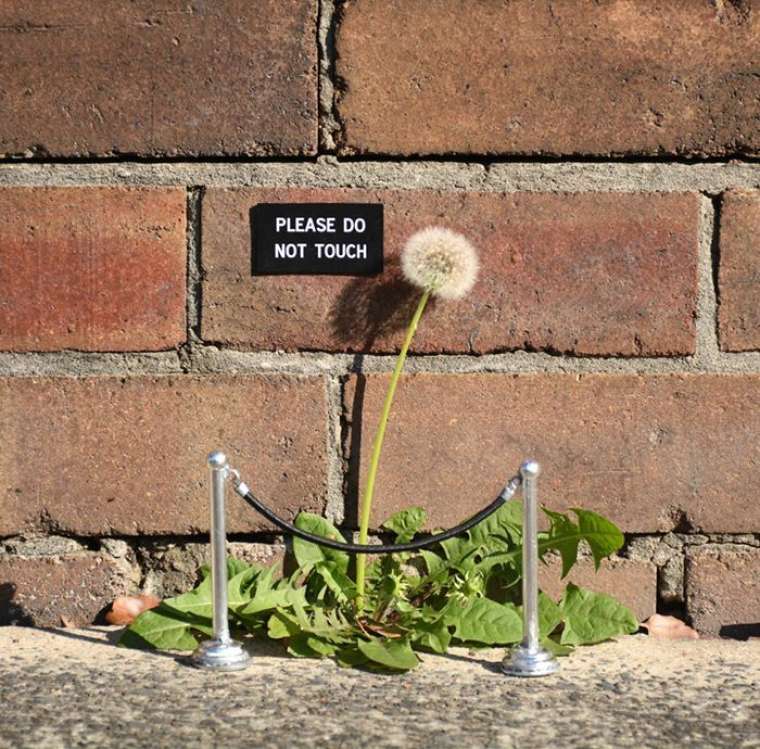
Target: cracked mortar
point(40, 546)
point(169, 568)
point(668, 553)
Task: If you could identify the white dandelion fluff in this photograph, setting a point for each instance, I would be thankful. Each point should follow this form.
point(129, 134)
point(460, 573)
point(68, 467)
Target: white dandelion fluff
point(440, 261)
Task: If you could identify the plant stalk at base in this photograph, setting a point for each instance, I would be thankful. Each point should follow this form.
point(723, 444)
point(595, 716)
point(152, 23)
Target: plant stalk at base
point(377, 446)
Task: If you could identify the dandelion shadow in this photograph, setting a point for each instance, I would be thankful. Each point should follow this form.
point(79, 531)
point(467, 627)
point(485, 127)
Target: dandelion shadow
point(368, 311)
point(364, 318)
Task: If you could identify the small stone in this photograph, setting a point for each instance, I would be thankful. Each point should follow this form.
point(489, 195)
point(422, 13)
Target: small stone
point(42, 546)
point(125, 609)
point(117, 548)
point(669, 628)
point(671, 580)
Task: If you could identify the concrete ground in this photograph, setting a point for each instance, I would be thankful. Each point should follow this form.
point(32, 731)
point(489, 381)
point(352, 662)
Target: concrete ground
point(72, 688)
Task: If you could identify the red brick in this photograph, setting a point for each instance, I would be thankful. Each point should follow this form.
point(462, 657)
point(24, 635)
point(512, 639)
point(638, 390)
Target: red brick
point(634, 583)
point(68, 590)
point(127, 456)
point(95, 269)
point(651, 452)
point(524, 77)
point(226, 77)
point(739, 311)
point(610, 273)
point(723, 590)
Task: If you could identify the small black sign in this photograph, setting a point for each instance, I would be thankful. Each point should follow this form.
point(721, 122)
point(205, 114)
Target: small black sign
point(334, 239)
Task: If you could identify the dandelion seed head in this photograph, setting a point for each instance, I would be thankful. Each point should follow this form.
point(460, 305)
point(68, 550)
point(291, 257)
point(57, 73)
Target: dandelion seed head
point(440, 261)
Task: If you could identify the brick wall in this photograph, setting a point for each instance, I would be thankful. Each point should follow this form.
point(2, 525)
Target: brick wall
point(602, 157)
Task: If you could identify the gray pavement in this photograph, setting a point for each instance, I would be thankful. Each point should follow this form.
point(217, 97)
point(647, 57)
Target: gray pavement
point(73, 688)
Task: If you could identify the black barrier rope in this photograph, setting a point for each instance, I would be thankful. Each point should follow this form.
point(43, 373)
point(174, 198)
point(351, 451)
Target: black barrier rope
point(422, 543)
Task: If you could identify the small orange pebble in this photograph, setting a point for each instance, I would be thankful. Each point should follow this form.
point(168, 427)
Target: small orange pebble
point(125, 609)
point(669, 628)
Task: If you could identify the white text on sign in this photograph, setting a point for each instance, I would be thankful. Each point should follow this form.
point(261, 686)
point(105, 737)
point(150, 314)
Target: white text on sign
point(329, 251)
point(321, 224)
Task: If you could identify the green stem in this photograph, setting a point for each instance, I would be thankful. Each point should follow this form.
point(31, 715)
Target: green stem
point(377, 446)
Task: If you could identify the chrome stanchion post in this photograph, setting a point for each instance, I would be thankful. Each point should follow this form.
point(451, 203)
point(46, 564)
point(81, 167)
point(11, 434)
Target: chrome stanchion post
point(529, 658)
point(221, 653)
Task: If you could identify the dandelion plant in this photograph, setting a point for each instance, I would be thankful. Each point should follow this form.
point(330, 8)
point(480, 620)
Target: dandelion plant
point(463, 590)
point(440, 263)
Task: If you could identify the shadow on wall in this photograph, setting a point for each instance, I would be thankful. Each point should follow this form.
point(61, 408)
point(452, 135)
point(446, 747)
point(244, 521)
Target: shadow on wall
point(740, 631)
point(368, 310)
point(365, 312)
point(11, 613)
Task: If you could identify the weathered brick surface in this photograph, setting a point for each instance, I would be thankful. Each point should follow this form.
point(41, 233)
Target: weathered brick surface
point(68, 590)
point(128, 456)
point(652, 453)
point(549, 78)
point(95, 269)
point(634, 583)
point(219, 78)
point(172, 568)
point(584, 273)
point(723, 590)
point(739, 311)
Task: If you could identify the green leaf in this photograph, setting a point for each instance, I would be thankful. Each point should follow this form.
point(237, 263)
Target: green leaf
point(170, 625)
point(505, 522)
point(350, 657)
point(434, 636)
point(241, 588)
point(549, 614)
point(593, 617)
point(564, 536)
point(163, 628)
point(460, 552)
point(299, 647)
point(327, 625)
point(308, 553)
point(500, 559)
point(406, 524)
point(263, 594)
point(341, 585)
point(281, 625)
point(555, 648)
point(486, 621)
point(395, 654)
point(271, 599)
point(320, 646)
point(433, 562)
point(236, 566)
point(602, 536)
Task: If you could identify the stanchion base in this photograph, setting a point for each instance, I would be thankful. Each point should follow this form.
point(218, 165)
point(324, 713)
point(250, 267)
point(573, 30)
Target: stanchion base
point(216, 655)
point(525, 662)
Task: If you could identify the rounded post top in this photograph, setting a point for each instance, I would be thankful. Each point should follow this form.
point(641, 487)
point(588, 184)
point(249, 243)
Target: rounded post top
point(217, 459)
point(530, 469)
